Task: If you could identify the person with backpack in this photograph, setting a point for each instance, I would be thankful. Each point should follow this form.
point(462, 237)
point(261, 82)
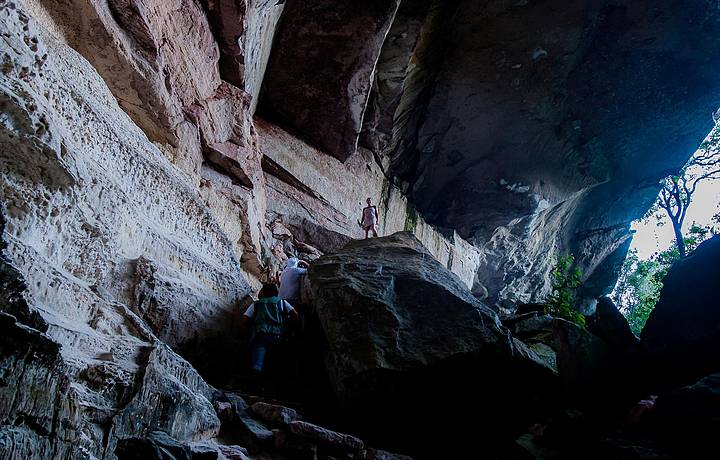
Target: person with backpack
point(268, 315)
point(369, 218)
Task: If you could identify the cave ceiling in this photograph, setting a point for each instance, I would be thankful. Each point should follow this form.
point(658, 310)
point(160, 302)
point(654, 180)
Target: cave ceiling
point(488, 111)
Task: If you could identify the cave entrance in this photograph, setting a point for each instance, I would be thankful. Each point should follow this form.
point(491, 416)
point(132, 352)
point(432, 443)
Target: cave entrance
point(685, 213)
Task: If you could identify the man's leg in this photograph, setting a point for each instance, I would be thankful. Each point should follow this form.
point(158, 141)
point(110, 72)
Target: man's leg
point(257, 354)
point(374, 229)
point(367, 230)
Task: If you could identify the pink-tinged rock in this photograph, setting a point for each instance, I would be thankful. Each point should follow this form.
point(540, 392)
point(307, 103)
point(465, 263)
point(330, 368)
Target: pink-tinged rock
point(224, 116)
point(325, 436)
point(280, 231)
point(229, 139)
point(244, 30)
point(320, 72)
point(228, 19)
point(274, 414)
point(157, 57)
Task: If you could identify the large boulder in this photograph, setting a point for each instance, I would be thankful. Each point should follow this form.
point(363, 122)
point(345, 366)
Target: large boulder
point(686, 420)
point(682, 334)
point(585, 362)
point(611, 326)
point(408, 343)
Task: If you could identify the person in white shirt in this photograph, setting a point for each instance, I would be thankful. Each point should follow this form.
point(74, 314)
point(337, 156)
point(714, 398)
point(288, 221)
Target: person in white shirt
point(290, 279)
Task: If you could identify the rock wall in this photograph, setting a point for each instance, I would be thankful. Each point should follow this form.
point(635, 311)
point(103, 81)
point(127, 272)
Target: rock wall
point(134, 191)
point(143, 201)
point(547, 126)
point(320, 71)
point(321, 199)
point(245, 32)
point(117, 250)
point(160, 61)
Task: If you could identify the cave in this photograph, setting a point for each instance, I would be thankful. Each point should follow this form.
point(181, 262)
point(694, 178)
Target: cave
point(162, 160)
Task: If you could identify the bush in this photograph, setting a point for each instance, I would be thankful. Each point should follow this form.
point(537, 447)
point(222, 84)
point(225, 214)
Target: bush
point(565, 280)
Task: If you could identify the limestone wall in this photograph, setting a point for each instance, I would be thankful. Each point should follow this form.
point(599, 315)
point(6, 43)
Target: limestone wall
point(319, 191)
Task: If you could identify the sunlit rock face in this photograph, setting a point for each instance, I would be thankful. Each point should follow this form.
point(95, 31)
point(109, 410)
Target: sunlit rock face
point(117, 251)
point(160, 62)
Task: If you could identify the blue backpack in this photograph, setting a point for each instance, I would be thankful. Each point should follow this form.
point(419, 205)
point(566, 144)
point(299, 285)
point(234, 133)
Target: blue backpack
point(268, 317)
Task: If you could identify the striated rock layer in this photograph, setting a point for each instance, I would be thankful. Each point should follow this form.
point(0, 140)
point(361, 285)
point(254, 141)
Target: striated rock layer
point(90, 205)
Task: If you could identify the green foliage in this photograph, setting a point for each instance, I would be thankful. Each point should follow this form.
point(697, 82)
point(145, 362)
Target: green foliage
point(411, 218)
point(676, 192)
point(639, 286)
point(640, 281)
point(565, 280)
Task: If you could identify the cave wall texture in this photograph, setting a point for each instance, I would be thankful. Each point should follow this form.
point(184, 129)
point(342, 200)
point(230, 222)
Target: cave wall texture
point(153, 152)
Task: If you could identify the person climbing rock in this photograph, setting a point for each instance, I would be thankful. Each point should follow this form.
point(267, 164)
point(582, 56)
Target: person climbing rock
point(291, 278)
point(268, 316)
point(369, 218)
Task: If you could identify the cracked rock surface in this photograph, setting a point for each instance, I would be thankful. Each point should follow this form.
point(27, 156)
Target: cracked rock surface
point(143, 200)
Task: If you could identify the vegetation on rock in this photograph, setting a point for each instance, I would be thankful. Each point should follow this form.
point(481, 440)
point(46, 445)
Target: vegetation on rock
point(411, 219)
point(640, 281)
point(677, 190)
point(565, 280)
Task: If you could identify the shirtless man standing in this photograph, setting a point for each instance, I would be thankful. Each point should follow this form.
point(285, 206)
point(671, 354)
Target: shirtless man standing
point(369, 218)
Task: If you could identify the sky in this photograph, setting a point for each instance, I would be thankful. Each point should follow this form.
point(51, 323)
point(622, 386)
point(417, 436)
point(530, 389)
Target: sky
point(650, 238)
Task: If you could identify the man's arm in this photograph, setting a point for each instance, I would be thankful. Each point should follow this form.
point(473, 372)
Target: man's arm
point(291, 311)
point(248, 316)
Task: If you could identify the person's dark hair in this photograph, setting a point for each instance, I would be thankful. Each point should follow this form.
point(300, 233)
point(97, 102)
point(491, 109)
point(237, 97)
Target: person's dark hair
point(268, 290)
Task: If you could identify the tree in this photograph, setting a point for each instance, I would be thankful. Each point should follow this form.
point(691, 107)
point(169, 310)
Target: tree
point(677, 191)
point(640, 281)
point(638, 289)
